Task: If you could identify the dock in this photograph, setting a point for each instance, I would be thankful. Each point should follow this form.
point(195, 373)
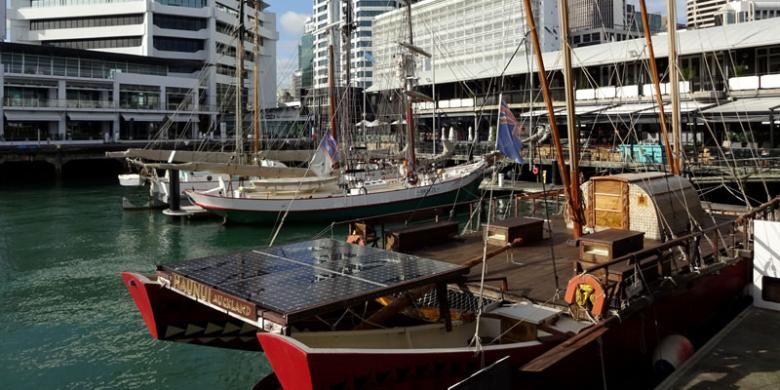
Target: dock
point(745, 354)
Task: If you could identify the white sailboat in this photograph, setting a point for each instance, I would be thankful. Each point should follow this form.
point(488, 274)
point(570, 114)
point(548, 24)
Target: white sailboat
point(344, 194)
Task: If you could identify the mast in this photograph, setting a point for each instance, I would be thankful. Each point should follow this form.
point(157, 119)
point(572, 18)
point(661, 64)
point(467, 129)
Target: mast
point(657, 82)
point(256, 122)
point(408, 70)
point(332, 93)
point(571, 120)
point(674, 80)
point(529, 13)
point(239, 127)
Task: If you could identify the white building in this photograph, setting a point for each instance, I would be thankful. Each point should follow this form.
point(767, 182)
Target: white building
point(701, 13)
point(747, 11)
point(328, 18)
point(478, 35)
point(196, 30)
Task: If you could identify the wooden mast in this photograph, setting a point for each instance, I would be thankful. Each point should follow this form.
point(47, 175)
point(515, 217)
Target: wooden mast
point(256, 122)
point(548, 102)
point(571, 120)
point(674, 87)
point(408, 86)
point(657, 83)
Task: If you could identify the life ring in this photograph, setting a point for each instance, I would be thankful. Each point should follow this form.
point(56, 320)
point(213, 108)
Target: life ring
point(363, 190)
point(586, 292)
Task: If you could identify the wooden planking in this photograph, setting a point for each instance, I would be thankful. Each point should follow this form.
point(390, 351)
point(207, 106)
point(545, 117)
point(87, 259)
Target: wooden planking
point(612, 187)
point(529, 269)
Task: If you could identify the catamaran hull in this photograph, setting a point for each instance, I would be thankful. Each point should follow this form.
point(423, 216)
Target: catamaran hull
point(339, 208)
point(627, 348)
point(170, 316)
point(298, 367)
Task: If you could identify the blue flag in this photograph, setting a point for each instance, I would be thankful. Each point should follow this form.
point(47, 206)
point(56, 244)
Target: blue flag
point(509, 133)
point(330, 146)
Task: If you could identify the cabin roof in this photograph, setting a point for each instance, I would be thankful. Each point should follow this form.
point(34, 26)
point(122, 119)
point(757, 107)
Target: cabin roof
point(298, 281)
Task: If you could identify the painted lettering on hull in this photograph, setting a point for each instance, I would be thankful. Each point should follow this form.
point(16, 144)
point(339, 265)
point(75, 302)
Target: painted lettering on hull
point(204, 293)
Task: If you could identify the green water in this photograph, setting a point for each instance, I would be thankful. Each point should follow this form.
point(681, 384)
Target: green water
point(66, 320)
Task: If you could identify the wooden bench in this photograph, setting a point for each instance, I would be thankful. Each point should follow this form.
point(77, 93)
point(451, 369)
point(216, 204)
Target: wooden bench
point(509, 230)
point(418, 236)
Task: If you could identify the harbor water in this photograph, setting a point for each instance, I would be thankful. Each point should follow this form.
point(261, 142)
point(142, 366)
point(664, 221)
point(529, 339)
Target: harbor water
point(66, 319)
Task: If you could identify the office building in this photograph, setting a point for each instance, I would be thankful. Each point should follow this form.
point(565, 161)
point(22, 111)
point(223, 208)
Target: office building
point(60, 94)
point(199, 31)
point(747, 11)
point(475, 36)
point(701, 13)
point(329, 17)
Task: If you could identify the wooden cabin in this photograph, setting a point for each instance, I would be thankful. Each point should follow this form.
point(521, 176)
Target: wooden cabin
point(658, 204)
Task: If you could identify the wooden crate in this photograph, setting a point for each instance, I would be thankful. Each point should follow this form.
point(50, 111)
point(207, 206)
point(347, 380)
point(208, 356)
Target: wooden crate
point(609, 244)
point(418, 236)
point(506, 231)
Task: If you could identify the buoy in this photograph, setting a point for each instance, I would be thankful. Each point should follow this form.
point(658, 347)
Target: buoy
point(671, 353)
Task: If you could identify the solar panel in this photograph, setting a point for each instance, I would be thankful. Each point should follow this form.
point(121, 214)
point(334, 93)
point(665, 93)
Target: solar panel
point(304, 278)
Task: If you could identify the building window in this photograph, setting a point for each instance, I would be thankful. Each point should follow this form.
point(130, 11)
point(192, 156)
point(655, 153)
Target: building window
point(185, 45)
point(184, 3)
point(61, 3)
point(101, 43)
point(179, 22)
point(101, 21)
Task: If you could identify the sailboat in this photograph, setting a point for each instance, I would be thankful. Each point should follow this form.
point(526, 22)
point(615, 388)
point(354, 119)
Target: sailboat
point(625, 297)
point(199, 170)
point(336, 194)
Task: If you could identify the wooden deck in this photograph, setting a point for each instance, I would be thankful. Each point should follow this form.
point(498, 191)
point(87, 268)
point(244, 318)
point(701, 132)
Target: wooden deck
point(529, 269)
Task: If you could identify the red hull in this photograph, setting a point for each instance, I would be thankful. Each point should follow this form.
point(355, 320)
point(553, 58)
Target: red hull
point(173, 317)
point(298, 367)
point(627, 346)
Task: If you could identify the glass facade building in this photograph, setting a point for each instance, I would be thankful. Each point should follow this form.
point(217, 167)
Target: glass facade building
point(198, 31)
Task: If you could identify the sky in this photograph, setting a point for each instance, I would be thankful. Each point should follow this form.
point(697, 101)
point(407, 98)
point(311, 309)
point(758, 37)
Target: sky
point(290, 15)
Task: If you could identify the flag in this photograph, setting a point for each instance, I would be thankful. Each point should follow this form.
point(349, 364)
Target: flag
point(509, 134)
point(326, 156)
point(330, 146)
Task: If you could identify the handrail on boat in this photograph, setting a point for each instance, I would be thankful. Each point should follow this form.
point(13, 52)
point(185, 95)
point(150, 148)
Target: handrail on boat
point(638, 256)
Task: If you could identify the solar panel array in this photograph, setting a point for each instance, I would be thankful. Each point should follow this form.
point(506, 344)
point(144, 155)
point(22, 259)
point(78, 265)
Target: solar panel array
point(300, 276)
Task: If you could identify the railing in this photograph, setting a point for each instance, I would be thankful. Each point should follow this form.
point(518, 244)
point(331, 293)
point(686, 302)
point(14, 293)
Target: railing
point(722, 240)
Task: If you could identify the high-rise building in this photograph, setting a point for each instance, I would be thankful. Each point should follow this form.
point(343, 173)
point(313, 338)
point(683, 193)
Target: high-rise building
point(599, 21)
point(306, 57)
point(735, 12)
point(329, 22)
point(469, 36)
point(701, 13)
point(202, 31)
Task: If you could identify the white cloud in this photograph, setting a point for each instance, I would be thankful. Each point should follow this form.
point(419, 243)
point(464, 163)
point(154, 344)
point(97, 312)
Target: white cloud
point(292, 22)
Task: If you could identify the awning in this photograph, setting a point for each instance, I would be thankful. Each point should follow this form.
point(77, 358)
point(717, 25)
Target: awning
point(582, 110)
point(541, 112)
point(627, 109)
point(26, 116)
point(685, 107)
point(143, 117)
point(87, 116)
point(743, 106)
point(192, 118)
